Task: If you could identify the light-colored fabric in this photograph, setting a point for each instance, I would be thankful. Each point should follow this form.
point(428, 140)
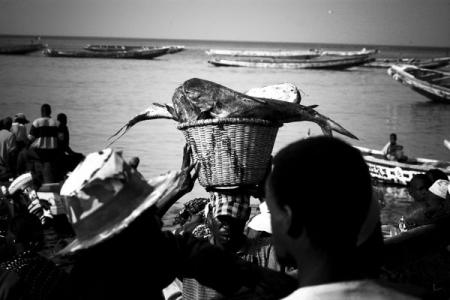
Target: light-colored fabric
point(20, 131)
point(363, 289)
point(440, 188)
point(7, 145)
point(261, 222)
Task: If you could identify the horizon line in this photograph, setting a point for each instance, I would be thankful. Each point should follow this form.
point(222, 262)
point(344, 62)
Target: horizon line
point(220, 41)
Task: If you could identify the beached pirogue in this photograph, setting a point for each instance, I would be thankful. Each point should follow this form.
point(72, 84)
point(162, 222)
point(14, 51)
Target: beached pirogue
point(433, 84)
point(198, 99)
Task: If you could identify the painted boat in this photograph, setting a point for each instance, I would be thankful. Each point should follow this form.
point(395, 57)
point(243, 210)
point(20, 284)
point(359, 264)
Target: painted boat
point(428, 63)
point(22, 49)
point(399, 173)
point(322, 62)
point(300, 54)
point(131, 54)
point(433, 84)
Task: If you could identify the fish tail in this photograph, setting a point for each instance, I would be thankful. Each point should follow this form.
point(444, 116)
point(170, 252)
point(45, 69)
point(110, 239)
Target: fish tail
point(329, 125)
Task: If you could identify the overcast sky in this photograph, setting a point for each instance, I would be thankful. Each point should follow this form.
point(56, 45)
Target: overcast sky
point(379, 22)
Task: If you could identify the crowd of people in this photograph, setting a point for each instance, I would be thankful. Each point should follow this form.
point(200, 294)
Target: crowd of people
point(316, 238)
point(43, 149)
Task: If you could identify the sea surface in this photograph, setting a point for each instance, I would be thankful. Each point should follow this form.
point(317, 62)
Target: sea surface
point(101, 95)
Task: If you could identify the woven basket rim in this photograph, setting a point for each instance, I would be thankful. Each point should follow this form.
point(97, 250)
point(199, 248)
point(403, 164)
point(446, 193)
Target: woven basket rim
point(229, 121)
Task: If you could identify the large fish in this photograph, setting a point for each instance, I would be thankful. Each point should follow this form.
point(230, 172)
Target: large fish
point(198, 99)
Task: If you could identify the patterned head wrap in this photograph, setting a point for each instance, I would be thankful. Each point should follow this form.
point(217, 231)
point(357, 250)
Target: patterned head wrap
point(236, 205)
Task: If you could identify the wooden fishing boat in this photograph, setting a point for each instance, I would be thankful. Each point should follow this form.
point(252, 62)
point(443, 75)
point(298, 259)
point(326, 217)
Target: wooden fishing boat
point(363, 51)
point(21, 49)
point(300, 54)
point(131, 54)
point(428, 63)
point(109, 48)
point(433, 84)
point(322, 62)
point(175, 48)
point(399, 173)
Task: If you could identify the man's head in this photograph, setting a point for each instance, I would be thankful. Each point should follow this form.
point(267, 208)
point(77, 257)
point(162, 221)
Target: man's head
point(418, 187)
point(318, 193)
point(62, 119)
point(393, 138)
point(6, 123)
point(436, 174)
point(46, 110)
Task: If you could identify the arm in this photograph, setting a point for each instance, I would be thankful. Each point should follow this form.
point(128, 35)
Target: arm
point(184, 185)
point(223, 271)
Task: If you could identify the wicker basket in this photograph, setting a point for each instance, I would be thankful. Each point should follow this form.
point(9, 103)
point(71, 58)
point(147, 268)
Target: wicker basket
point(231, 151)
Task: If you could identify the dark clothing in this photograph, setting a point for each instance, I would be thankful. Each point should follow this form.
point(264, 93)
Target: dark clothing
point(31, 276)
point(7, 154)
point(70, 158)
point(141, 261)
point(257, 251)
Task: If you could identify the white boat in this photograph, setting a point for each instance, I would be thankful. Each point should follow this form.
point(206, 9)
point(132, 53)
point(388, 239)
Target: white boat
point(300, 54)
point(400, 173)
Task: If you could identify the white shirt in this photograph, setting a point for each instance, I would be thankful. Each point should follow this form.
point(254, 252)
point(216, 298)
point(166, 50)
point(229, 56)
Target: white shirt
point(347, 290)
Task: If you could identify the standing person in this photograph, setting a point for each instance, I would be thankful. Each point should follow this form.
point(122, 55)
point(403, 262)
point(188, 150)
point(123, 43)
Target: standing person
point(20, 130)
point(8, 149)
point(44, 142)
point(70, 157)
point(226, 216)
point(330, 232)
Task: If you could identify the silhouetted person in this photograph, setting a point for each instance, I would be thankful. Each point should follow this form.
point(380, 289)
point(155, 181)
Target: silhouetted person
point(69, 157)
point(44, 142)
point(8, 150)
point(329, 229)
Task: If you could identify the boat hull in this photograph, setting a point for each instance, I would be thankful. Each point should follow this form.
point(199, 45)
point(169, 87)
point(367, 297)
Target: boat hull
point(21, 49)
point(434, 85)
point(337, 63)
point(132, 54)
point(421, 63)
point(399, 173)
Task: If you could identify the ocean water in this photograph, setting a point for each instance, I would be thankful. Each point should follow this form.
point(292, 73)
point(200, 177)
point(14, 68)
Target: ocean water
point(101, 95)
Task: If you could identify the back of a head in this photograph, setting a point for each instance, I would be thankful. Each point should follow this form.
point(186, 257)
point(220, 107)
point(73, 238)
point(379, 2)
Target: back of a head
point(6, 123)
point(393, 137)
point(435, 174)
point(46, 110)
point(62, 118)
point(327, 185)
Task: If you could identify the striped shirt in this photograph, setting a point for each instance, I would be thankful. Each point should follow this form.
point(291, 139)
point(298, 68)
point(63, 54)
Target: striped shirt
point(44, 133)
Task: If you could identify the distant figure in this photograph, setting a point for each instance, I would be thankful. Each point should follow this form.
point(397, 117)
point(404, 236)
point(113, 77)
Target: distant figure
point(71, 158)
point(329, 229)
point(20, 130)
point(394, 151)
point(433, 208)
point(418, 187)
point(8, 149)
point(44, 142)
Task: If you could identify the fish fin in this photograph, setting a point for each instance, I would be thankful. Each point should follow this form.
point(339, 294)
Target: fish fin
point(329, 125)
point(149, 114)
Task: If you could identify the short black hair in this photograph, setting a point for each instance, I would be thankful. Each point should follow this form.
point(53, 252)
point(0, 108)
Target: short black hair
point(327, 185)
point(435, 174)
point(421, 177)
point(46, 109)
point(62, 118)
point(393, 135)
